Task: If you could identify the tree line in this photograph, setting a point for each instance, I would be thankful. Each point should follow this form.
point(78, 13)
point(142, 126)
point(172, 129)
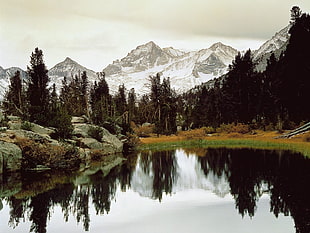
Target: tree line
point(277, 97)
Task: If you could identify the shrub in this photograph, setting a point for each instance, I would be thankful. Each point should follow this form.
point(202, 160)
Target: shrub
point(270, 127)
point(96, 155)
point(61, 121)
point(95, 132)
point(232, 128)
point(192, 134)
point(208, 130)
point(132, 140)
point(241, 128)
point(144, 131)
point(3, 123)
point(53, 156)
point(225, 128)
point(306, 137)
point(26, 125)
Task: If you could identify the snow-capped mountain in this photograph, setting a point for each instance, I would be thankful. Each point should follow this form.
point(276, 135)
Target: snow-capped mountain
point(277, 44)
point(69, 68)
point(185, 69)
point(5, 75)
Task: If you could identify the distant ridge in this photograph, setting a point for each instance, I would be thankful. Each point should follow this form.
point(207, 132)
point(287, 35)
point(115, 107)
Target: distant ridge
point(185, 69)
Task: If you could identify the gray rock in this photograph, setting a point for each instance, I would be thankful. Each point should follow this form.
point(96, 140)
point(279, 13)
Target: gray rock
point(41, 130)
point(111, 140)
point(78, 120)
point(31, 135)
point(81, 130)
point(90, 143)
point(14, 118)
point(14, 125)
point(2, 129)
point(10, 157)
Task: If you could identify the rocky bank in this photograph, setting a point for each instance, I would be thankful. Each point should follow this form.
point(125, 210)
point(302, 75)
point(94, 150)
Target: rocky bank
point(31, 146)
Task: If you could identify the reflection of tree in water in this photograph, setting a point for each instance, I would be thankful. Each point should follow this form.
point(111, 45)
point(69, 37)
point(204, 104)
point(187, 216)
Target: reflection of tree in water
point(249, 173)
point(252, 172)
point(74, 200)
point(127, 170)
point(162, 165)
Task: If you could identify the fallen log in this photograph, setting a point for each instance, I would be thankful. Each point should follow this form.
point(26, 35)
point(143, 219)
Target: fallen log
point(302, 129)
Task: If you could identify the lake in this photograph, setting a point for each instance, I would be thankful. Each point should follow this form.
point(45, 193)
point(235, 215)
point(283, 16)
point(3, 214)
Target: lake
point(183, 190)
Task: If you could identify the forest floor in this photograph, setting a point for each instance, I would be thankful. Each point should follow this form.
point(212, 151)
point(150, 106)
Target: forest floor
point(258, 139)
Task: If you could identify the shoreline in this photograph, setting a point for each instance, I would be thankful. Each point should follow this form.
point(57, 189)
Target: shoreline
point(259, 140)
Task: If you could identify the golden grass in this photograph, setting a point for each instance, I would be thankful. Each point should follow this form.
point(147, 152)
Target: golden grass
point(261, 139)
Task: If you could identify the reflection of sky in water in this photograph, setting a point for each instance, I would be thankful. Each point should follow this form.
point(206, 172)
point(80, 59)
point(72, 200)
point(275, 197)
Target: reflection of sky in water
point(197, 203)
point(189, 176)
point(186, 211)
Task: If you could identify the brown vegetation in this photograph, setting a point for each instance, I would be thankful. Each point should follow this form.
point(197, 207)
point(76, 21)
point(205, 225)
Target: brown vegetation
point(52, 156)
point(198, 134)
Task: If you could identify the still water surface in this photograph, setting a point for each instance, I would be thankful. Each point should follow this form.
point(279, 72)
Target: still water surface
point(185, 190)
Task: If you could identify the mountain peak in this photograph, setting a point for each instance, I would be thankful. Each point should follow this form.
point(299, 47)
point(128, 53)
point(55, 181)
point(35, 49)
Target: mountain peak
point(151, 43)
point(149, 46)
point(69, 60)
point(218, 45)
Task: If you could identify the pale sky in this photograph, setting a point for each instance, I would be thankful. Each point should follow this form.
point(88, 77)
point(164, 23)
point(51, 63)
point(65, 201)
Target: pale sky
point(96, 32)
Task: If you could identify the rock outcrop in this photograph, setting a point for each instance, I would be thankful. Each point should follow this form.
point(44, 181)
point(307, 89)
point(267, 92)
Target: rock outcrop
point(107, 142)
point(87, 139)
point(10, 157)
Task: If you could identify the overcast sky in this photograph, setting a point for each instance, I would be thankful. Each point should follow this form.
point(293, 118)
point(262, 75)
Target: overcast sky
point(96, 32)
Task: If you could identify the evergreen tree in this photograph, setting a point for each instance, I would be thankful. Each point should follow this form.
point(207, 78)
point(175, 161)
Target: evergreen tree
point(84, 94)
point(163, 102)
point(121, 110)
point(14, 99)
point(120, 101)
point(200, 111)
point(101, 101)
point(75, 95)
point(37, 92)
point(240, 90)
point(132, 108)
point(145, 110)
point(59, 117)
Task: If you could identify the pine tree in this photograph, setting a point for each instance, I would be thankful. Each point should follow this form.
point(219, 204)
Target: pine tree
point(132, 108)
point(121, 110)
point(240, 90)
point(37, 92)
point(14, 99)
point(101, 101)
point(59, 117)
point(84, 93)
point(163, 104)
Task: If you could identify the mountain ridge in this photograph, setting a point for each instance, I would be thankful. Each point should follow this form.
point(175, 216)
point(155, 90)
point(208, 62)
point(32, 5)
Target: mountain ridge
point(185, 69)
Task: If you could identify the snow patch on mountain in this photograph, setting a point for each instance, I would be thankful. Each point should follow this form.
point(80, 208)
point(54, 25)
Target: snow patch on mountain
point(277, 44)
point(69, 68)
point(185, 69)
point(5, 75)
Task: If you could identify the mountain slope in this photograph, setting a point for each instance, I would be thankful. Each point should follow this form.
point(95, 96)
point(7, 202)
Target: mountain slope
point(277, 44)
point(5, 75)
point(185, 69)
point(69, 68)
